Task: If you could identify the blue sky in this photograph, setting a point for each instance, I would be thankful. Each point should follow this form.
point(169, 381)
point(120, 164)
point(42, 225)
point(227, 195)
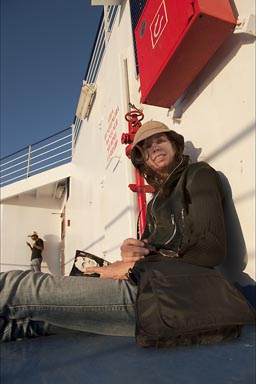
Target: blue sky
point(45, 49)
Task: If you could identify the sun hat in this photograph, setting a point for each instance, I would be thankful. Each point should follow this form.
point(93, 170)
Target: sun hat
point(148, 129)
point(33, 234)
point(151, 128)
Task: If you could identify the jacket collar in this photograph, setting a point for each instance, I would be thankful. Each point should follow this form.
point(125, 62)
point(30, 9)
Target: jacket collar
point(175, 175)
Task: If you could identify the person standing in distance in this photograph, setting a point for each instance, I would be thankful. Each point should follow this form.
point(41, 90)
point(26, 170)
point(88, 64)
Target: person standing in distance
point(36, 255)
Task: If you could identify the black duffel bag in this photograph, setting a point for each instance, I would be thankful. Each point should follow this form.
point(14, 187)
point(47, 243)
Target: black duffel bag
point(184, 304)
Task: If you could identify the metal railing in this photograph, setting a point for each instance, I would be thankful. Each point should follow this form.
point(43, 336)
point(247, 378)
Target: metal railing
point(103, 34)
point(41, 156)
point(98, 51)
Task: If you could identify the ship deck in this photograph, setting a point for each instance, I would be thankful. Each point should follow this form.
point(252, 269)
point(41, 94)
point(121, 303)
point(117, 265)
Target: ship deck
point(87, 358)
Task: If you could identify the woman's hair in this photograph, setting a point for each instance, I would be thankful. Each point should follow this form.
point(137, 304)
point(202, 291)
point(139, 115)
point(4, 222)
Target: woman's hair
point(139, 161)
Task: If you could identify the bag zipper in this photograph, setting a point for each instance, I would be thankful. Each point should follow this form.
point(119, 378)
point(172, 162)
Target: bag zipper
point(174, 231)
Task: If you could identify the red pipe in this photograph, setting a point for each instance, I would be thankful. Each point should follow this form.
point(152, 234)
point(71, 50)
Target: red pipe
point(134, 122)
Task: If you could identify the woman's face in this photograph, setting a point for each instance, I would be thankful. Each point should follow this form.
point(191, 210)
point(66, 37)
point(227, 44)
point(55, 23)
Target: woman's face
point(159, 153)
point(82, 263)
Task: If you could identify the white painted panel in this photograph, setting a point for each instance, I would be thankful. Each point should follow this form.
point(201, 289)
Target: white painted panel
point(218, 123)
point(17, 222)
point(218, 126)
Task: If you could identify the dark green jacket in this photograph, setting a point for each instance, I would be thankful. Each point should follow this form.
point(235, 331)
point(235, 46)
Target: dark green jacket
point(187, 216)
point(181, 301)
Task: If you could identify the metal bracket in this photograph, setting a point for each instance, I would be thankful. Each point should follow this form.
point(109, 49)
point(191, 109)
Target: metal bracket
point(246, 25)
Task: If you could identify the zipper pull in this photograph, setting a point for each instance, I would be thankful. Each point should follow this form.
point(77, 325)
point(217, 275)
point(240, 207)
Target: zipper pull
point(182, 217)
point(183, 226)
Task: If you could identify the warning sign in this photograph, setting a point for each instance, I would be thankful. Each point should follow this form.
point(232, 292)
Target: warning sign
point(158, 24)
point(111, 139)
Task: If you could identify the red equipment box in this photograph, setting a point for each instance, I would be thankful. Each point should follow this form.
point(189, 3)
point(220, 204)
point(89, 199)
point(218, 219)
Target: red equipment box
point(174, 40)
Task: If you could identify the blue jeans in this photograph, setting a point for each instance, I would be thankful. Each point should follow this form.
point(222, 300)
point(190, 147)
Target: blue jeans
point(34, 304)
point(36, 265)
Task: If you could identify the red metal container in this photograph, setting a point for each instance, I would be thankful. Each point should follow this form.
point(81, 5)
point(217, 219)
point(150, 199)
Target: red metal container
point(174, 40)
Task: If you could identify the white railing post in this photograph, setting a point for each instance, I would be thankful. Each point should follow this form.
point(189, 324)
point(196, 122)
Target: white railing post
point(107, 22)
point(73, 139)
point(29, 155)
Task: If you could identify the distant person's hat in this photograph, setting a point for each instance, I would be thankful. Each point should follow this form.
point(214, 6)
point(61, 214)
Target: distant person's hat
point(33, 234)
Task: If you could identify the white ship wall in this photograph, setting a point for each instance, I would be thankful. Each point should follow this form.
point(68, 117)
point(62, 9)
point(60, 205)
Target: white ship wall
point(23, 220)
point(218, 126)
point(101, 207)
point(218, 123)
point(28, 205)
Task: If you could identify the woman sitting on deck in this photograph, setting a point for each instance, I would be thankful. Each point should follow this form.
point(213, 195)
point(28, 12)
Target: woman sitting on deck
point(184, 221)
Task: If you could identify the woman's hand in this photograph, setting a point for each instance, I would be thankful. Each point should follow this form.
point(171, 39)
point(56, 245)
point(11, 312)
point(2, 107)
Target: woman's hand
point(116, 270)
point(133, 250)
